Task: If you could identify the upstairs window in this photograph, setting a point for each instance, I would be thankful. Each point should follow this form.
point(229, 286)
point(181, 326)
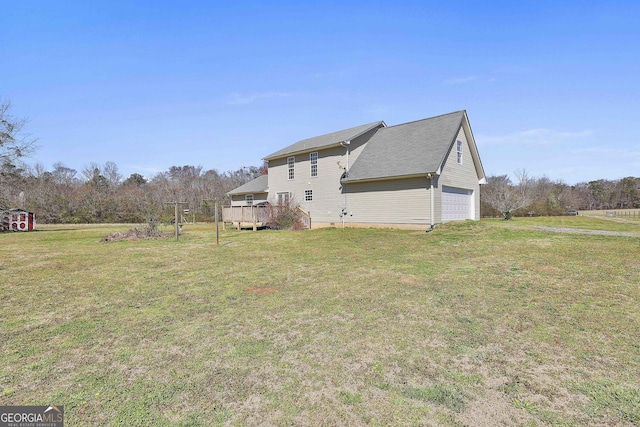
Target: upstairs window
point(291, 162)
point(313, 158)
point(459, 151)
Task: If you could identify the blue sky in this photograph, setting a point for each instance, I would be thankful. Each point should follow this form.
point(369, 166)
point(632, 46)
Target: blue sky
point(549, 87)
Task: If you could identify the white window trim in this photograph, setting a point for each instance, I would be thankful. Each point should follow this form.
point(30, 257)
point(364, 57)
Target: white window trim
point(308, 195)
point(291, 172)
point(459, 146)
point(248, 199)
point(283, 197)
point(313, 162)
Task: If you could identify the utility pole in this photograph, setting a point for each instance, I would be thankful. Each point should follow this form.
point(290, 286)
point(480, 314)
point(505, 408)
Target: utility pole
point(176, 217)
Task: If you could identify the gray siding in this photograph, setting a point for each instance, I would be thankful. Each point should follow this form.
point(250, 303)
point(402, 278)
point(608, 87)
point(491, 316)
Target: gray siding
point(460, 176)
point(398, 201)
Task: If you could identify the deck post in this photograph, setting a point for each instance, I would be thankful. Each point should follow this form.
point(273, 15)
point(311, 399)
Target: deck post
point(254, 213)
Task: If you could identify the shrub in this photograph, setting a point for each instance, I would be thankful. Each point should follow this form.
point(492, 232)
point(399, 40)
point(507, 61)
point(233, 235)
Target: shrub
point(284, 216)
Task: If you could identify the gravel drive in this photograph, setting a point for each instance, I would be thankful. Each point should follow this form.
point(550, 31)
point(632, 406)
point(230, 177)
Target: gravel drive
point(583, 231)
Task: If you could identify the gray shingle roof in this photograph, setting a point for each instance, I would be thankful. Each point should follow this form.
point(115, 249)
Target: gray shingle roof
point(413, 148)
point(324, 141)
point(258, 185)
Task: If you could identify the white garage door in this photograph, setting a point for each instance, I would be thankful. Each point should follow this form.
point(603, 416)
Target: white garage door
point(457, 204)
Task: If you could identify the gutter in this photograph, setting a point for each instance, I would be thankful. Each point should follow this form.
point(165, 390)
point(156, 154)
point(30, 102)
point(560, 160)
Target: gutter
point(432, 204)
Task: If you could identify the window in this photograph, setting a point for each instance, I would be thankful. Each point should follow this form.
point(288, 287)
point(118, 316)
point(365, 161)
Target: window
point(291, 161)
point(313, 158)
point(248, 199)
point(308, 195)
point(283, 198)
point(459, 152)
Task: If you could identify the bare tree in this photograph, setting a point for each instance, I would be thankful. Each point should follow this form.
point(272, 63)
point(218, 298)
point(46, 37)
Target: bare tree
point(110, 171)
point(14, 143)
point(63, 175)
point(505, 196)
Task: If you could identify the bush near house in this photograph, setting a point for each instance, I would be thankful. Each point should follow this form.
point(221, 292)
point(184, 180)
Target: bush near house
point(284, 216)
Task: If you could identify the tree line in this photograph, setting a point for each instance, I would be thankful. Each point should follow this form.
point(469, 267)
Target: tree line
point(99, 193)
point(530, 196)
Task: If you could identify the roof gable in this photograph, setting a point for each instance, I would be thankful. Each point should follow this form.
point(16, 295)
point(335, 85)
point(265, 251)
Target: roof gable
point(325, 141)
point(409, 149)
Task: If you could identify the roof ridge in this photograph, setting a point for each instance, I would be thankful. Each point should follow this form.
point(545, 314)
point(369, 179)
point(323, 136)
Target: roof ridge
point(428, 118)
point(341, 130)
point(326, 140)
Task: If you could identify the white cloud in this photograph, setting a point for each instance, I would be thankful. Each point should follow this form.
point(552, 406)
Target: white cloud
point(461, 80)
point(239, 99)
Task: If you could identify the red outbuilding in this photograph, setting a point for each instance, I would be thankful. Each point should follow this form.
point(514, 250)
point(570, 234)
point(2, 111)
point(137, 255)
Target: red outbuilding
point(17, 220)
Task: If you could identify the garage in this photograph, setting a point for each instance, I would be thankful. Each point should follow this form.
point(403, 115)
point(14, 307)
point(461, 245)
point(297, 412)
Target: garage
point(457, 204)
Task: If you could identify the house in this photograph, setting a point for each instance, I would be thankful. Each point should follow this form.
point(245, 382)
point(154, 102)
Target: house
point(413, 175)
point(17, 220)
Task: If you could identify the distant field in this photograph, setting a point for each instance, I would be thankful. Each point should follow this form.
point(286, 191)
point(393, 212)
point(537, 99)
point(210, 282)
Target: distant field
point(490, 323)
point(628, 214)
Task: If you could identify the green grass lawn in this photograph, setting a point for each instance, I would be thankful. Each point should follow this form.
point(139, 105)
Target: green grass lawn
point(486, 323)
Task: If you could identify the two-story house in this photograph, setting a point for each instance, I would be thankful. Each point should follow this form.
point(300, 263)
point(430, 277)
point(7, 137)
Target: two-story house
point(412, 175)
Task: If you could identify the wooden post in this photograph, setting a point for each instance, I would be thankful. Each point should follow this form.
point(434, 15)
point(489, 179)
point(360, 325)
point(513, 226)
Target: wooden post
point(176, 222)
point(216, 220)
point(176, 216)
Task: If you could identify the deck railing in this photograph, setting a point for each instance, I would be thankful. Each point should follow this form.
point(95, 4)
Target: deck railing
point(256, 215)
point(305, 217)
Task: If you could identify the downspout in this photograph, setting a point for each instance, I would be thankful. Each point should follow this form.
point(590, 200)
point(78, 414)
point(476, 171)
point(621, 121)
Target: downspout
point(345, 144)
point(432, 207)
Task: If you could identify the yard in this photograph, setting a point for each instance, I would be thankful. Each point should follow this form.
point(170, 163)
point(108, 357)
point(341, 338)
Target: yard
point(486, 323)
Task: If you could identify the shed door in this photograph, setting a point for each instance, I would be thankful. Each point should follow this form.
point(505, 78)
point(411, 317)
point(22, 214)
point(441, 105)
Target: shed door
point(457, 204)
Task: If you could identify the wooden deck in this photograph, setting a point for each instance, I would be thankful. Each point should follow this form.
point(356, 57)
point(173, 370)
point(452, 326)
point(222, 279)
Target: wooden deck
point(256, 216)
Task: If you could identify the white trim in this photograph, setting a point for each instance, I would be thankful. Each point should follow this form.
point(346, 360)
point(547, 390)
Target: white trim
point(283, 197)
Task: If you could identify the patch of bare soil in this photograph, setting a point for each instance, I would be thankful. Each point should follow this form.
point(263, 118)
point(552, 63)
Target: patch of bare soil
point(492, 410)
